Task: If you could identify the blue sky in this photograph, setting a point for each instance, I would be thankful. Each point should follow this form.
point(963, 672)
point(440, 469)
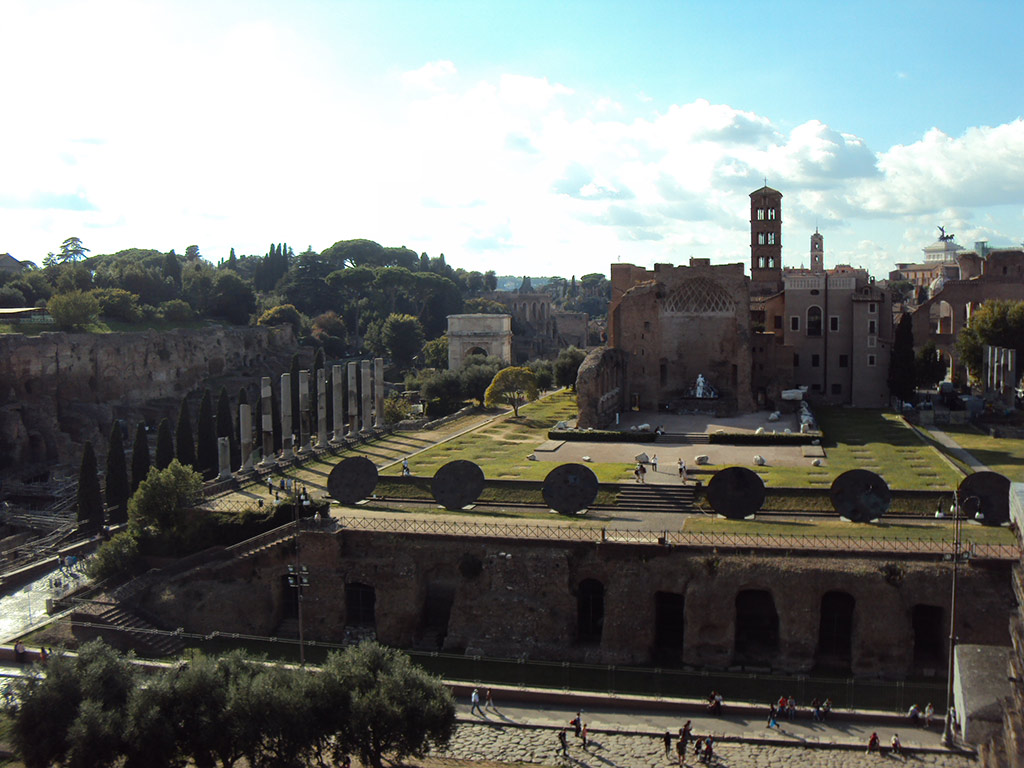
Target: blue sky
point(525, 137)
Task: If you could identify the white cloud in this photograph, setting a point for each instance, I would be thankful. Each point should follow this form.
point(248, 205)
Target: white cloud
point(429, 77)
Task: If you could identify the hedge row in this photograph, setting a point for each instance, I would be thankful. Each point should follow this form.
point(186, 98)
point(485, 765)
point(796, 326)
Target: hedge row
point(602, 436)
point(765, 438)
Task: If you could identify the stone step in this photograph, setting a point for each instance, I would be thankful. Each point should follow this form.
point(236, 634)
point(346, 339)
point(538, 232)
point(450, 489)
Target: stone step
point(146, 639)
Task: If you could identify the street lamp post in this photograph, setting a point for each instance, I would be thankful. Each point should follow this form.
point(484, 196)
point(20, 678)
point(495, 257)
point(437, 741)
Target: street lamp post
point(298, 577)
point(957, 555)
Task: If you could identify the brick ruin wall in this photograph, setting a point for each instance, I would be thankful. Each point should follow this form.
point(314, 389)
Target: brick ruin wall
point(58, 390)
point(519, 598)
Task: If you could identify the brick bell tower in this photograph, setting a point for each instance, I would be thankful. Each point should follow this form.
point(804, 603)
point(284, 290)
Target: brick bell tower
point(765, 241)
point(817, 252)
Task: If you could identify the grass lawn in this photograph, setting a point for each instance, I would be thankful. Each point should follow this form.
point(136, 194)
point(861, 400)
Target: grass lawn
point(924, 531)
point(878, 441)
point(1002, 454)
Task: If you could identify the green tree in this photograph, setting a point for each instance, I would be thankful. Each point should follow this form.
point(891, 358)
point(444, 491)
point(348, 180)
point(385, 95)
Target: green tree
point(402, 336)
point(72, 250)
point(929, 366)
point(435, 353)
point(140, 456)
point(901, 362)
point(171, 269)
point(164, 445)
point(283, 314)
point(73, 310)
point(206, 438)
point(352, 285)
point(490, 280)
point(226, 426)
point(231, 298)
point(567, 366)
point(90, 499)
point(158, 507)
point(117, 487)
point(544, 372)
point(476, 375)
point(997, 323)
point(485, 307)
point(395, 708)
point(512, 386)
point(442, 393)
point(184, 445)
point(72, 715)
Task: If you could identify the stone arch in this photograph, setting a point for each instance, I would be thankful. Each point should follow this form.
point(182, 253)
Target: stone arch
point(942, 317)
point(477, 350)
point(360, 605)
point(589, 611)
point(756, 639)
point(835, 631)
point(929, 626)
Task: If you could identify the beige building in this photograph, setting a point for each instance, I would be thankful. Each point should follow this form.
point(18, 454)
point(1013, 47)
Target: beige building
point(538, 329)
point(478, 334)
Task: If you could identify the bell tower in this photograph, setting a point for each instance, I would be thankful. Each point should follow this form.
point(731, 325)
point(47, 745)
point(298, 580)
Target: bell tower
point(817, 252)
point(765, 241)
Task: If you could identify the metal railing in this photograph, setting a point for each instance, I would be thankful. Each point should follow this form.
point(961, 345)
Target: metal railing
point(594, 534)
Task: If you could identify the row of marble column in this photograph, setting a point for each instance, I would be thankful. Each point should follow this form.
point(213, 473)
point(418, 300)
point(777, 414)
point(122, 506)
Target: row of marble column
point(365, 411)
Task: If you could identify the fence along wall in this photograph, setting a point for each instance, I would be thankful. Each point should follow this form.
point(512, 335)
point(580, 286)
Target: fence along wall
point(603, 602)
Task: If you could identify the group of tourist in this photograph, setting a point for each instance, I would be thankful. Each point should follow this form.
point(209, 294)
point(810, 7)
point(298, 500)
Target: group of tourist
point(640, 471)
point(786, 706)
point(895, 747)
point(703, 746)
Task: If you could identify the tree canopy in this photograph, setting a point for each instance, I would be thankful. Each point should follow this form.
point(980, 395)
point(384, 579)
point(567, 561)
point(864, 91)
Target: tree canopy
point(997, 323)
point(512, 386)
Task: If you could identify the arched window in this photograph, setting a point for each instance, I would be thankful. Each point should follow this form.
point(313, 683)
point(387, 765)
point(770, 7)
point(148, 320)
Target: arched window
point(757, 627)
point(814, 321)
point(589, 611)
point(835, 631)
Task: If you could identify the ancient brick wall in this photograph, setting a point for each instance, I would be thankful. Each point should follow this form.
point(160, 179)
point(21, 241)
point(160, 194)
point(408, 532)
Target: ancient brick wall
point(516, 598)
point(59, 389)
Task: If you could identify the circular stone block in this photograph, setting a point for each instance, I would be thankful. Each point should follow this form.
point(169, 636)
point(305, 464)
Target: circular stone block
point(736, 492)
point(352, 480)
point(568, 488)
point(860, 495)
point(985, 496)
point(457, 484)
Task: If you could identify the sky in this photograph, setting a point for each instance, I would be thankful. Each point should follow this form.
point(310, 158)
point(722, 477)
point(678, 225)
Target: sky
point(541, 138)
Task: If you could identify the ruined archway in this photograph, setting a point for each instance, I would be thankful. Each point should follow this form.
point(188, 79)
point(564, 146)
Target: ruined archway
point(589, 611)
point(757, 628)
point(835, 631)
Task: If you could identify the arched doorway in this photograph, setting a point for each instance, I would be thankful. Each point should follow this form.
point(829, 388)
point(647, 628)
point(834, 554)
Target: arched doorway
point(835, 632)
point(589, 611)
point(929, 636)
point(669, 626)
point(360, 605)
point(757, 628)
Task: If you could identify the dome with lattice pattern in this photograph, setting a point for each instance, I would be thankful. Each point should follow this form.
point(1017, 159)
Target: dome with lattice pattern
point(700, 296)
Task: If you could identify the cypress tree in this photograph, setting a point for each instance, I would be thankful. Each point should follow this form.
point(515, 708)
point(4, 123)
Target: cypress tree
point(184, 445)
point(140, 456)
point(117, 476)
point(901, 377)
point(164, 445)
point(296, 420)
point(226, 426)
point(90, 500)
point(206, 438)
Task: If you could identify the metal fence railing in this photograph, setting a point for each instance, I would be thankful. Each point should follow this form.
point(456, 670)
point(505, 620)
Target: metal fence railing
point(594, 534)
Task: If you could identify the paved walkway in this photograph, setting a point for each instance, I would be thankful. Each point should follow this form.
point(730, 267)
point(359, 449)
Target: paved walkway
point(953, 447)
point(622, 738)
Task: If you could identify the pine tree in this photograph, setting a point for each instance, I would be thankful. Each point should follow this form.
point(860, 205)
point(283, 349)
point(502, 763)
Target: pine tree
point(232, 260)
point(164, 445)
point(206, 438)
point(296, 419)
point(117, 476)
point(90, 500)
point(140, 456)
point(901, 362)
point(184, 445)
point(226, 426)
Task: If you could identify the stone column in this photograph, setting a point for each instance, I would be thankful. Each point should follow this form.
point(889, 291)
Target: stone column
point(378, 392)
point(321, 408)
point(245, 436)
point(267, 419)
point(224, 457)
point(353, 399)
point(364, 396)
point(338, 392)
point(305, 419)
point(287, 437)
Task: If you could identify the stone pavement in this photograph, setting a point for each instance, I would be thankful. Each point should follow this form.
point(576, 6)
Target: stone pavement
point(621, 738)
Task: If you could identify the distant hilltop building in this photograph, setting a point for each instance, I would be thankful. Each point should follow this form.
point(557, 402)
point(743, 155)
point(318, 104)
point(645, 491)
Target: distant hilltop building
point(826, 331)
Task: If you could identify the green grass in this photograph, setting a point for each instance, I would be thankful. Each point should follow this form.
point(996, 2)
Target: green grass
point(868, 439)
point(1002, 454)
point(929, 531)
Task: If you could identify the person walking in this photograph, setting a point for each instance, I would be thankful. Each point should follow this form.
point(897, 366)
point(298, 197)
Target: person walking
point(577, 724)
point(474, 701)
point(681, 751)
point(489, 702)
point(405, 467)
point(667, 738)
point(929, 713)
point(563, 742)
point(583, 735)
point(682, 470)
point(772, 716)
point(654, 462)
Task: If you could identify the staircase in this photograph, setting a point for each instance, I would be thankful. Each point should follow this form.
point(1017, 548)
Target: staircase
point(655, 498)
point(125, 629)
point(683, 438)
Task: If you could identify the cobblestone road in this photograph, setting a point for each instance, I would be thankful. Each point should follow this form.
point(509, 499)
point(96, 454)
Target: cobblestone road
point(540, 745)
